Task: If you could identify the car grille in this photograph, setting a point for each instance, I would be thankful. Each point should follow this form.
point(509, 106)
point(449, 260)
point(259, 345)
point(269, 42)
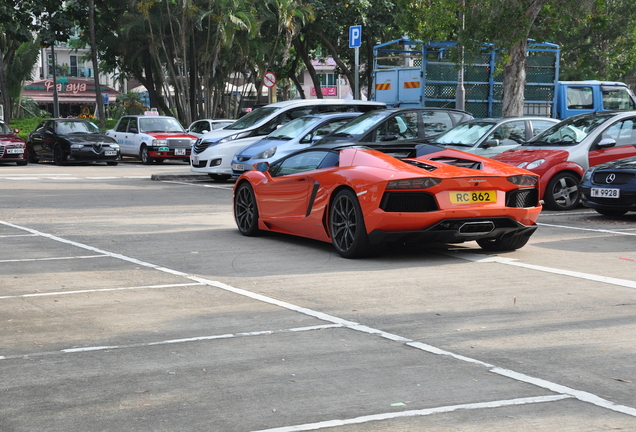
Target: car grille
point(408, 202)
point(522, 198)
point(1, 149)
point(243, 158)
point(200, 145)
point(174, 143)
point(621, 177)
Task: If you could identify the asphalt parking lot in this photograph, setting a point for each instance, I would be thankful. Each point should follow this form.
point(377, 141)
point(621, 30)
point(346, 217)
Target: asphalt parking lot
point(129, 302)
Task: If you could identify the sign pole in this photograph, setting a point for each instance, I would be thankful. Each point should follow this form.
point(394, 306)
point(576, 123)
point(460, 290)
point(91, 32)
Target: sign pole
point(355, 40)
point(357, 72)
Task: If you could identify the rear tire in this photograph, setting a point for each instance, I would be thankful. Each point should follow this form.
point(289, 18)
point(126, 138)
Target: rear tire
point(504, 244)
point(22, 163)
point(562, 192)
point(346, 224)
point(246, 210)
point(112, 163)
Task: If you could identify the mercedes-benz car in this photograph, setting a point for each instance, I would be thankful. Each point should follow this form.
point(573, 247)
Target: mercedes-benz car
point(610, 188)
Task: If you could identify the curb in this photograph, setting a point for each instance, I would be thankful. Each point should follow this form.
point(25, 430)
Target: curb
point(180, 177)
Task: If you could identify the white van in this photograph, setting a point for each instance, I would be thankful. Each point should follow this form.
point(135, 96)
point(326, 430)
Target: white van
point(213, 152)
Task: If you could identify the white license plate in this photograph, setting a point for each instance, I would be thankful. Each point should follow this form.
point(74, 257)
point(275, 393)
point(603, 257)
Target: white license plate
point(110, 153)
point(15, 151)
point(606, 192)
point(195, 160)
point(180, 152)
point(238, 167)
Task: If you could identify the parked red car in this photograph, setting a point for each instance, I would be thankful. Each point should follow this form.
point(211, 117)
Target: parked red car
point(12, 147)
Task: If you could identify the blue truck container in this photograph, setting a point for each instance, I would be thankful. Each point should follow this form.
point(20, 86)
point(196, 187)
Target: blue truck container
point(414, 73)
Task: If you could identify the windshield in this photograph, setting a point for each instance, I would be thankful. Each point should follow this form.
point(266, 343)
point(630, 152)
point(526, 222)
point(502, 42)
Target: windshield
point(569, 132)
point(4, 128)
point(466, 134)
point(252, 118)
point(167, 124)
point(69, 127)
point(293, 128)
point(361, 124)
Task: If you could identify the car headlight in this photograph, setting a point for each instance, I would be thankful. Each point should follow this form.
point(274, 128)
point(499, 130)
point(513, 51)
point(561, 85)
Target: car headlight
point(77, 146)
point(266, 154)
point(588, 175)
point(532, 165)
point(233, 137)
point(159, 142)
point(193, 142)
point(115, 146)
point(18, 146)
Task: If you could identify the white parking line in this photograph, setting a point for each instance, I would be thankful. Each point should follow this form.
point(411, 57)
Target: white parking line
point(229, 187)
point(474, 257)
point(564, 391)
point(589, 229)
point(18, 235)
point(54, 258)
point(56, 293)
point(416, 413)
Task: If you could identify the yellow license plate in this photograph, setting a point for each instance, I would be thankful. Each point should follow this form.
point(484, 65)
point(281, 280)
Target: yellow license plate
point(464, 197)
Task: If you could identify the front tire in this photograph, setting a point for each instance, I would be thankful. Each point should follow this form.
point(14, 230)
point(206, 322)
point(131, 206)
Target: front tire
point(145, 156)
point(112, 163)
point(219, 178)
point(58, 155)
point(246, 210)
point(346, 224)
point(612, 213)
point(562, 192)
point(503, 244)
point(22, 163)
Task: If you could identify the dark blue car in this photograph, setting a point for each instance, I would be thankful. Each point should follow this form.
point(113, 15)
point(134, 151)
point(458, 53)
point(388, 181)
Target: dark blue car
point(610, 188)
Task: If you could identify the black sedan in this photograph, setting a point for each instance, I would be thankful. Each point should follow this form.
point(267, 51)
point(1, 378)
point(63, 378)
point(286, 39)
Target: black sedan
point(71, 140)
point(399, 124)
point(610, 188)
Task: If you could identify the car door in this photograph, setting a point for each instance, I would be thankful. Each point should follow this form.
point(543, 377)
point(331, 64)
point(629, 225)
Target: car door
point(43, 138)
point(285, 199)
point(624, 133)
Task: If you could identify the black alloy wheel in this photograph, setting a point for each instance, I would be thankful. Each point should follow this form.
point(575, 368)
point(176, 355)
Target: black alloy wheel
point(58, 155)
point(346, 224)
point(144, 155)
point(562, 192)
point(246, 210)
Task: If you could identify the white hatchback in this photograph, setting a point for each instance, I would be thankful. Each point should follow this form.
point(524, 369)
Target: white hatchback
point(213, 152)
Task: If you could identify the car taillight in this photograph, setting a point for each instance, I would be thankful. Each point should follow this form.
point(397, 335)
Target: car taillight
point(409, 184)
point(524, 180)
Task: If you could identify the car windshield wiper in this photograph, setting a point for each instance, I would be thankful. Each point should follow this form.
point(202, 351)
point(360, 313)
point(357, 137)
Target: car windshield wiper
point(282, 138)
point(454, 144)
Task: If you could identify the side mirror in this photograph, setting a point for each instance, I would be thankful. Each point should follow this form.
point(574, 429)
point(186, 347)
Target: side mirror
point(490, 143)
point(16, 130)
point(315, 139)
point(606, 143)
point(389, 137)
point(262, 166)
point(133, 130)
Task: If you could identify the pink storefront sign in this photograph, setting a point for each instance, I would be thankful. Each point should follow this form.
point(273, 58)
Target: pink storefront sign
point(326, 91)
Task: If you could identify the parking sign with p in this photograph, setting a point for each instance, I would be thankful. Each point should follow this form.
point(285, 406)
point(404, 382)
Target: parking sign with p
point(355, 36)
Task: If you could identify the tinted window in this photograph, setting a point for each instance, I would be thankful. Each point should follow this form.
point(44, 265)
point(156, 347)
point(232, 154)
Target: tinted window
point(580, 98)
point(122, 126)
point(617, 99)
point(510, 133)
point(623, 132)
point(539, 126)
point(399, 127)
point(301, 162)
point(436, 122)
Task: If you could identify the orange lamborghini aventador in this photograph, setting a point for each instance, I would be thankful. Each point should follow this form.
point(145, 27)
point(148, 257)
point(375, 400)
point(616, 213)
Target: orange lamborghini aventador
point(357, 197)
